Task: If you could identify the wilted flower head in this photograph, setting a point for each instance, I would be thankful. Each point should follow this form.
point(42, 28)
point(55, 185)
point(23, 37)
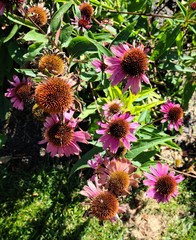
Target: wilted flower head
point(99, 64)
point(55, 95)
point(86, 10)
point(20, 92)
point(61, 137)
point(81, 23)
point(38, 13)
point(173, 114)
point(130, 63)
point(113, 107)
point(118, 176)
point(117, 131)
point(162, 185)
point(52, 62)
point(103, 204)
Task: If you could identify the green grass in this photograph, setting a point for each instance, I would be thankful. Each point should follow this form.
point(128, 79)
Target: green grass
point(43, 204)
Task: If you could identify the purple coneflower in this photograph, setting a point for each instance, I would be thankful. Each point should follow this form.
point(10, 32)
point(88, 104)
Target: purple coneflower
point(99, 65)
point(61, 137)
point(118, 176)
point(20, 93)
point(130, 63)
point(81, 23)
point(162, 185)
point(117, 131)
point(111, 108)
point(173, 114)
point(103, 204)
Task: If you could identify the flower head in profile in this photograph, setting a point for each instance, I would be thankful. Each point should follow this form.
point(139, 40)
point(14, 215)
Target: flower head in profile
point(111, 108)
point(118, 176)
point(173, 114)
point(81, 23)
point(99, 64)
point(117, 131)
point(103, 204)
point(55, 95)
point(61, 136)
point(162, 184)
point(38, 13)
point(20, 93)
point(129, 63)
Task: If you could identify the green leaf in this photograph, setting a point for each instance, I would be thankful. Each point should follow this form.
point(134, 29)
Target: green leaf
point(179, 42)
point(65, 34)
point(20, 20)
point(12, 33)
point(82, 163)
point(27, 72)
point(100, 47)
point(173, 145)
point(56, 20)
point(123, 35)
point(189, 89)
point(16, 52)
point(144, 157)
point(182, 8)
point(33, 50)
point(175, 67)
point(89, 110)
point(166, 41)
point(143, 145)
point(80, 45)
point(35, 36)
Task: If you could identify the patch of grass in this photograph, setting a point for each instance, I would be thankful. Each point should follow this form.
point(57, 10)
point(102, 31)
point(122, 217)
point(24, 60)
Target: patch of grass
point(180, 213)
point(43, 204)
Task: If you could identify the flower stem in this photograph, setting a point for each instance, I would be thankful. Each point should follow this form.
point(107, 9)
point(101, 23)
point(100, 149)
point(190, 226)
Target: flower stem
point(159, 119)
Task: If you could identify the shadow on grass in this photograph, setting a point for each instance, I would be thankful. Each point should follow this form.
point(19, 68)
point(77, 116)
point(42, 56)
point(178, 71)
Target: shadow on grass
point(34, 202)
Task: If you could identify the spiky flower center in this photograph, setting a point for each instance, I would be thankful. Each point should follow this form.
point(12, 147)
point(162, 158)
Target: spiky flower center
point(114, 108)
point(175, 114)
point(55, 95)
point(23, 91)
point(51, 63)
point(86, 10)
point(83, 22)
point(166, 185)
point(118, 182)
point(134, 62)
point(104, 206)
point(119, 128)
point(60, 134)
point(38, 15)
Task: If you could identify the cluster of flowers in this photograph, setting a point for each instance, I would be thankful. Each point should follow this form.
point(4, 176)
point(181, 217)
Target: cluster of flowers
point(114, 175)
point(53, 96)
point(84, 20)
